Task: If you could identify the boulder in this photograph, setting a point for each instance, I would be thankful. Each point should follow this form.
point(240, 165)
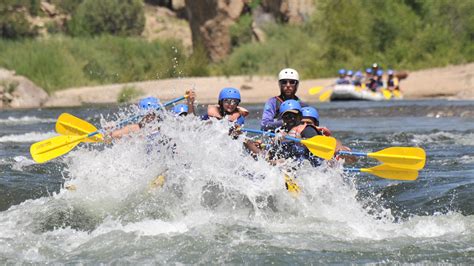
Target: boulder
point(19, 92)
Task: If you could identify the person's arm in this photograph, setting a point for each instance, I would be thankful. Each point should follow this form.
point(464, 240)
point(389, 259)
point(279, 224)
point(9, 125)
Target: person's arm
point(190, 101)
point(268, 115)
point(126, 130)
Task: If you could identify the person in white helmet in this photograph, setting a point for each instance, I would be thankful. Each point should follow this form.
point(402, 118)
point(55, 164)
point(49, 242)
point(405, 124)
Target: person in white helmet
point(288, 80)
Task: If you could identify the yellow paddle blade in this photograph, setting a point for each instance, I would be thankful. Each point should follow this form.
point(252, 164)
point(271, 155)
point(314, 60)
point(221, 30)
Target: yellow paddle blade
point(158, 181)
point(315, 90)
point(387, 94)
point(325, 96)
point(413, 158)
point(321, 146)
point(389, 172)
point(291, 185)
point(49, 149)
point(397, 94)
point(68, 124)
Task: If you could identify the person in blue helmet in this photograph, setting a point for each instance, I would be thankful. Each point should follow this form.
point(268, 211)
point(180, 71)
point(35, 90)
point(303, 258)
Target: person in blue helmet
point(180, 109)
point(288, 80)
point(310, 117)
point(342, 77)
point(147, 106)
point(372, 83)
point(291, 114)
point(392, 81)
point(358, 79)
point(227, 107)
point(350, 76)
point(379, 79)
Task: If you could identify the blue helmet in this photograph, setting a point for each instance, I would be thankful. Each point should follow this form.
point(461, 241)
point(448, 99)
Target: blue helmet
point(379, 72)
point(358, 74)
point(149, 103)
point(368, 70)
point(180, 108)
point(310, 112)
point(229, 93)
point(350, 73)
point(290, 105)
point(390, 72)
point(342, 71)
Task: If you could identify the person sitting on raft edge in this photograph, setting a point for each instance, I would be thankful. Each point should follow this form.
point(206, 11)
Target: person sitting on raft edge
point(149, 106)
point(288, 80)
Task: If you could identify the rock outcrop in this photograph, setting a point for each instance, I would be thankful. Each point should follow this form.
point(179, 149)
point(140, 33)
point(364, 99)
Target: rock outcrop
point(210, 21)
point(19, 92)
point(291, 11)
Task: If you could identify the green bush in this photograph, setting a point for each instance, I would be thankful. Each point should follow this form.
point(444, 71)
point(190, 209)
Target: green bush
point(63, 62)
point(241, 32)
point(127, 94)
point(116, 17)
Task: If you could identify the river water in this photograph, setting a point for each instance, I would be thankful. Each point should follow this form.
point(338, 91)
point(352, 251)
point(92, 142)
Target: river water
point(219, 205)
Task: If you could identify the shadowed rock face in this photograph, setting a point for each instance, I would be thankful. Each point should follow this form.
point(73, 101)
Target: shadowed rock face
point(210, 21)
point(19, 92)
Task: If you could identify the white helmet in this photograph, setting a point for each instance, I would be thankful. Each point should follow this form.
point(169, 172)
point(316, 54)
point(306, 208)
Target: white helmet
point(289, 73)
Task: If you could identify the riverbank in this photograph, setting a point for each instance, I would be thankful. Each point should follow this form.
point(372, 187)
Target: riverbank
point(452, 82)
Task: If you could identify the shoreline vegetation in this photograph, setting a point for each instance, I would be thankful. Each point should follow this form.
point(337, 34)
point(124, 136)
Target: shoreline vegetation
point(90, 48)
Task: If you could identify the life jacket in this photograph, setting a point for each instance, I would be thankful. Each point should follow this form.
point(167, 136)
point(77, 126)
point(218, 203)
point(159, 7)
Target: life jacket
point(295, 132)
point(213, 111)
point(392, 82)
point(279, 101)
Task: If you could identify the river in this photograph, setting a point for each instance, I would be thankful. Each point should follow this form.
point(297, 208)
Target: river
point(219, 205)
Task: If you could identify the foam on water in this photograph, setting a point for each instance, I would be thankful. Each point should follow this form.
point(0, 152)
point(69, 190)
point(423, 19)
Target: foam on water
point(213, 191)
point(25, 120)
point(27, 137)
point(461, 139)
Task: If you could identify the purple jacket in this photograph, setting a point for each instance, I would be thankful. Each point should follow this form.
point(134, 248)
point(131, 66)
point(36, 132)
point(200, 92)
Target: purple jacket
point(270, 117)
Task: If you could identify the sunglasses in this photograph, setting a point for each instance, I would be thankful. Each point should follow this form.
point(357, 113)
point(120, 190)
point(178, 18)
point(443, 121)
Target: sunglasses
point(289, 116)
point(231, 101)
point(285, 81)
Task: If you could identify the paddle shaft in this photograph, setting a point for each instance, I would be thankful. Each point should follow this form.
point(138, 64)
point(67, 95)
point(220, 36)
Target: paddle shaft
point(354, 153)
point(126, 121)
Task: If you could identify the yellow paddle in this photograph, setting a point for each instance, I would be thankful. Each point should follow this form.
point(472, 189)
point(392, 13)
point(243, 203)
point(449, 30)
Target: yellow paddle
point(315, 90)
point(68, 124)
point(387, 171)
point(291, 185)
point(325, 96)
point(397, 94)
point(320, 146)
point(412, 158)
point(383, 171)
point(386, 94)
point(49, 149)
